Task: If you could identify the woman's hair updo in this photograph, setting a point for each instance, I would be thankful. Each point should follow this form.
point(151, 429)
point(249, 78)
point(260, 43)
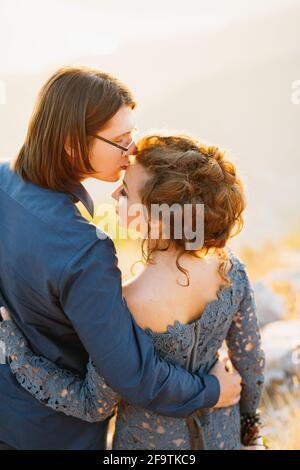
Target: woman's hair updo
point(184, 171)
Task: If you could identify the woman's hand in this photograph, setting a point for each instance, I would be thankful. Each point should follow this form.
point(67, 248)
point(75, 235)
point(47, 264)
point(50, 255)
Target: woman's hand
point(15, 342)
point(5, 314)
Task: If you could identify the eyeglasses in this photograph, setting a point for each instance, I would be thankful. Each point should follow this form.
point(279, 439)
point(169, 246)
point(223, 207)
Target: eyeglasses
point(125, 149)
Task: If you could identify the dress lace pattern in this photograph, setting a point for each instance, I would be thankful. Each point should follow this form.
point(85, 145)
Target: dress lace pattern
point(231, 317)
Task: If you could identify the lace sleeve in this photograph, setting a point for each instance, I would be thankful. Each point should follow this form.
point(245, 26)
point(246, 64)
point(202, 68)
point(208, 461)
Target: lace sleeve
point(88, 398)
point(244, 348)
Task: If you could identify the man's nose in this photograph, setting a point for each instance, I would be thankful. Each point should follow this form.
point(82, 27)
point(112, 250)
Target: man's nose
point(131, 150)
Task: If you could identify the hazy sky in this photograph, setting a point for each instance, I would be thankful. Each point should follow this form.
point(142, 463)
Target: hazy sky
point(220, 69)
point(37, 34)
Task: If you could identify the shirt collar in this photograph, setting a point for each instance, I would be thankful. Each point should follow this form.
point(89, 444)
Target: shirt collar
point(79, 193)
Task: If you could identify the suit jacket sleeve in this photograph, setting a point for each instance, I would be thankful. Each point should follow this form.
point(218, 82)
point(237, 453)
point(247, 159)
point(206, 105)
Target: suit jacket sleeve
point(91, 296)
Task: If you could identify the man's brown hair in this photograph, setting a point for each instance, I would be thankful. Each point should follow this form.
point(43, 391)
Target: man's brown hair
point(74, 104)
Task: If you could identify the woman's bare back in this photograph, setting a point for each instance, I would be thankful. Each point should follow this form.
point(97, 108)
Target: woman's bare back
point(159, 295)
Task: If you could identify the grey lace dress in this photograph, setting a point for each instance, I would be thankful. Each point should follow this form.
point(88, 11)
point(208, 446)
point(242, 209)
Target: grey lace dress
point(231, 317)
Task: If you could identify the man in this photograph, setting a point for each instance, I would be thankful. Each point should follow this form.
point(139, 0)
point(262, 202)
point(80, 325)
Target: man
point(61, 282)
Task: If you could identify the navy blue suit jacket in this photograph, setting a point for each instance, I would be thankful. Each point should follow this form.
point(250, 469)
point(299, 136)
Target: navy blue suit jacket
point(62, 285)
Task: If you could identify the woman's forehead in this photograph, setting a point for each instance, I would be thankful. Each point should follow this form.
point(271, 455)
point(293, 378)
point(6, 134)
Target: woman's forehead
point(135, 174)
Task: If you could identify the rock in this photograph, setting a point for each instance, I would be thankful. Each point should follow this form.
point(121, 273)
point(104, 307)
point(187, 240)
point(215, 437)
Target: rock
point(281, 343)
point(288, 281)
point(285, 276)
point(270, 306)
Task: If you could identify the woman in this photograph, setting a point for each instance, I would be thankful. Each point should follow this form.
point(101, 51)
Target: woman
point(188, 301)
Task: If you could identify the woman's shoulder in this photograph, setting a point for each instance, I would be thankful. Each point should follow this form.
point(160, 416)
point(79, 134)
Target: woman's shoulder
point(238, 274)
point(237, 265)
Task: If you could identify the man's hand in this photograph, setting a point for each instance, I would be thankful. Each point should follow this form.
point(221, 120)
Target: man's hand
point(230, 383)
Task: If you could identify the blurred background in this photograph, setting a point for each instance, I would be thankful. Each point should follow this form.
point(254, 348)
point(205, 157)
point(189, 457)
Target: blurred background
point(227, 72)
